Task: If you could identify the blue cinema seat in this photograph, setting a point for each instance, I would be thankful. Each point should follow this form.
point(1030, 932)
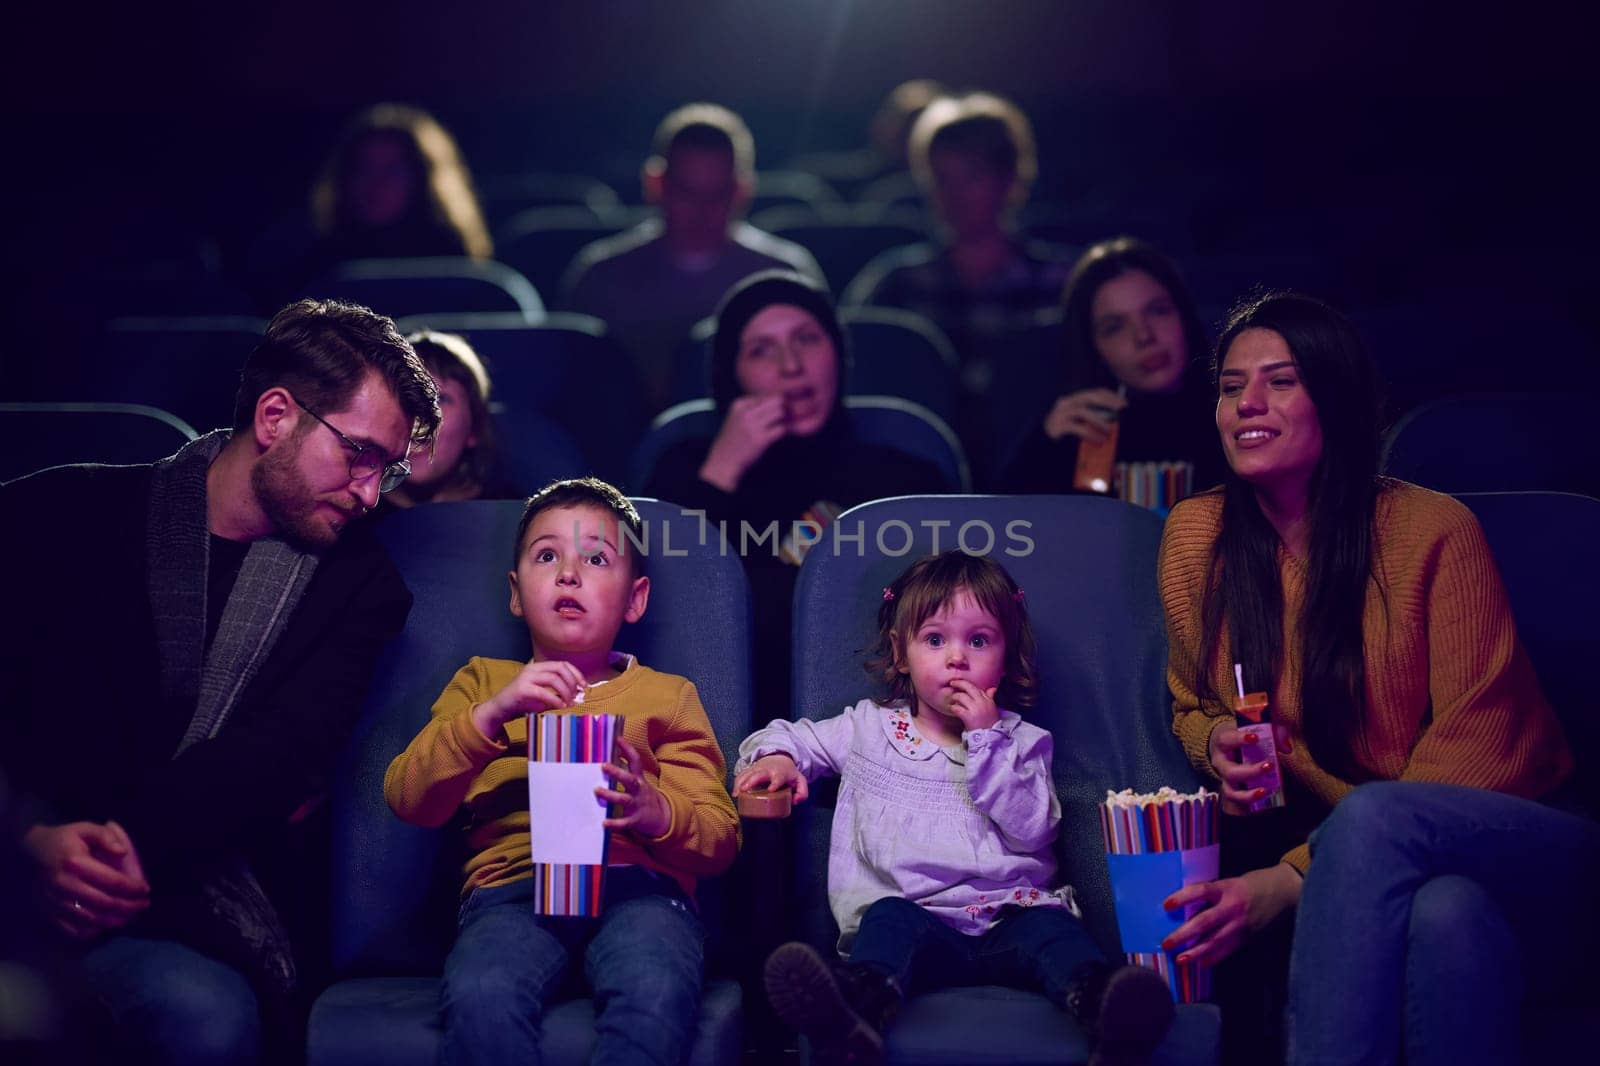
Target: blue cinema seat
point(542, 242)
point(1543, 543)
point(1087, 567)
point(421, 286)
point(886, 420)
point(1498, 442)
point(393, 890)
point(842, 238)
point(186, 366)
point(34, 436)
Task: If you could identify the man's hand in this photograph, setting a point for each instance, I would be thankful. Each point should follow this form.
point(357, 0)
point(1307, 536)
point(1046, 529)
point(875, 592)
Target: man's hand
point(92, 878)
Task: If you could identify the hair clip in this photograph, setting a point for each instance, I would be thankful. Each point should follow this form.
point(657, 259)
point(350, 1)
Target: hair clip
point(1017, 595)
point(888, 593)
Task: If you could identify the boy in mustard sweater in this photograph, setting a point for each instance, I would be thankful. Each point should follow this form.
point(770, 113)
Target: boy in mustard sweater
point(576, 581)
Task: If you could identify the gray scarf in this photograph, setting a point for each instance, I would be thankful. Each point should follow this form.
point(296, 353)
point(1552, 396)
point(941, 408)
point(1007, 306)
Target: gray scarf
point(227, 914)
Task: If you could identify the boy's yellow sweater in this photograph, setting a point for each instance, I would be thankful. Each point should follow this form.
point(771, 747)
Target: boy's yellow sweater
point(451, 764)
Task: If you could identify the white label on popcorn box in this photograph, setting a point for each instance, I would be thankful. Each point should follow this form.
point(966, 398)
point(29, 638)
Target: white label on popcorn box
point(566, 819)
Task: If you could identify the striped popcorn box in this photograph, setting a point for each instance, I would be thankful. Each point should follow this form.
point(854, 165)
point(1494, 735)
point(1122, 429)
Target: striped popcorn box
point(1157, 842)
point(565, 818)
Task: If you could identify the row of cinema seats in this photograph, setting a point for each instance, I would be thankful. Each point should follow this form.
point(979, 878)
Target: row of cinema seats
point(188, 367)
point(567, 399)
point(1089, 568)
point(1491, 442)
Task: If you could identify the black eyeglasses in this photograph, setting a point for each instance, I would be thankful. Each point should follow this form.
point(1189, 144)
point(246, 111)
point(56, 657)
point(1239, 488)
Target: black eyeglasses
point(368, 459)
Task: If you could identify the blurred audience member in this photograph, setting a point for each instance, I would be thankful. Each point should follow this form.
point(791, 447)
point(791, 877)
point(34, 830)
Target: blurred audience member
point(396, 186)
point(786, 453)
point(461, 465)
point(974, 158)
point(1132, 338)
point(653, 282)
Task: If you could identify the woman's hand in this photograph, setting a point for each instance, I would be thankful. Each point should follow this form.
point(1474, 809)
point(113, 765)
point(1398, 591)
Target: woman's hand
point(752, 425)
point(642, 808)
point(93, 880)
point(772, 773)
point(1240, 786)
point(1234, 908)
point(973, 705)
point(539, 686)
point(1082, 414)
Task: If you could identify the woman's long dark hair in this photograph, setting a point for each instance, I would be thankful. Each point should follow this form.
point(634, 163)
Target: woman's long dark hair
point(1248, 593)
point(1104, 262)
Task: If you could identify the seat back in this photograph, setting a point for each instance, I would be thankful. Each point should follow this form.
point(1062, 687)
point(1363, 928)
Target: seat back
point(564, 369)
point(790, 188)
point(842, 238)
point(887, 421)
point(393, 885)
point(542, 242)
point(1087, 567)
point(427, 285)
point(34, 436)
point(531, 450)
point(1543, 543)
point(188, 367)
point(503, 197)
point(1498, 443)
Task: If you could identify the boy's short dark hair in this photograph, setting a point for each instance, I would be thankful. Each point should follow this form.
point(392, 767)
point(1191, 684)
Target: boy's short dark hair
point(591, 492)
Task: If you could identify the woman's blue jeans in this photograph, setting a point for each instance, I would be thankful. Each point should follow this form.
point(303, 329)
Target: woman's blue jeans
point(1430, 912)
point(642, 958)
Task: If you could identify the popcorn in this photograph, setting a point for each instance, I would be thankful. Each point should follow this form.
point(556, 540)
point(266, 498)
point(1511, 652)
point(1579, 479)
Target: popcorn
point(1165, 794)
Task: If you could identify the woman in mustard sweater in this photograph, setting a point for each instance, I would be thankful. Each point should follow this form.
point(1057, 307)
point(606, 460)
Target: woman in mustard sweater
point(1414, 741)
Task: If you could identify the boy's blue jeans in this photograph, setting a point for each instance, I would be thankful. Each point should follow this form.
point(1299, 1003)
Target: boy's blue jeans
point(643, 959)
point(1043, 949)
point(1429, 913)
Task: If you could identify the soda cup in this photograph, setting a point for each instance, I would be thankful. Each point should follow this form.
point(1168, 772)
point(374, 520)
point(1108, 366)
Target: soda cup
point(1097, 459)
point(1252, 713)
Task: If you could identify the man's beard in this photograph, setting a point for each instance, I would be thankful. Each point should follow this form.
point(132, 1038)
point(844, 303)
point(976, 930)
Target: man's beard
point(288, 501)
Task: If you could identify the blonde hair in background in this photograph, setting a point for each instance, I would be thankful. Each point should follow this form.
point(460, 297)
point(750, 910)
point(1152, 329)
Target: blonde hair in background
point(447, 184)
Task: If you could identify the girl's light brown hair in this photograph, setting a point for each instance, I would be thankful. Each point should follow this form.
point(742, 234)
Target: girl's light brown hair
point(928, 586)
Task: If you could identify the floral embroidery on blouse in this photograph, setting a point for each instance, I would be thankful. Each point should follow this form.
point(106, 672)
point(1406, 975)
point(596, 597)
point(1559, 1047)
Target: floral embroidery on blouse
point(901, 730)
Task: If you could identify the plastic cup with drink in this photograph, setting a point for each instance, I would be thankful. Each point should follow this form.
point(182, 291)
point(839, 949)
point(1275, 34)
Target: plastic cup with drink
point(1253, 712)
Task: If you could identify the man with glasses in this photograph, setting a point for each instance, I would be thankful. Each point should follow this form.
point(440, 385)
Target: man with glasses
point(186, 649)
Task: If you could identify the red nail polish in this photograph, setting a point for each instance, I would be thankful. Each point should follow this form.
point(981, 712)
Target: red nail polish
point(1184, 959)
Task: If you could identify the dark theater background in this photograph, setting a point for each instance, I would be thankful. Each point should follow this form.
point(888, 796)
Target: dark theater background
point(1425, 167)
point(1414, 155)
